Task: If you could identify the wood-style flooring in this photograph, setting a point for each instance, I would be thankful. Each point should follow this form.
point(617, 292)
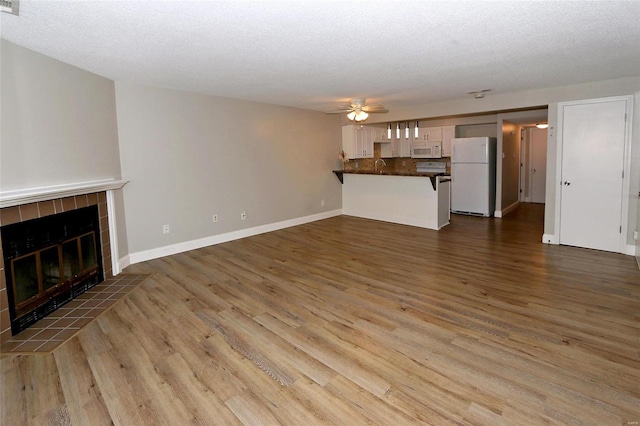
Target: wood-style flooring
point(348, 321)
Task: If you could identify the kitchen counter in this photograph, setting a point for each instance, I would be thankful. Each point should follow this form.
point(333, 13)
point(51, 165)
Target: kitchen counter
point(397, 197)
point(432, 176)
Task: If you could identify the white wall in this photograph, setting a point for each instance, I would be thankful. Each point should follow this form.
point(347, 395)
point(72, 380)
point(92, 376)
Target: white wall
point(468, 126)
point(189, 156)
point(477, 130)
point(58, 122)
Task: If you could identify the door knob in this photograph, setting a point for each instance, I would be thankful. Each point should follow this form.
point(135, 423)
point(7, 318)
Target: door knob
point(534, 170)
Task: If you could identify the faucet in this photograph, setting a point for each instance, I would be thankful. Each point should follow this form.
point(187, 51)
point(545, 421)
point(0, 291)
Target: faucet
point(375, 165)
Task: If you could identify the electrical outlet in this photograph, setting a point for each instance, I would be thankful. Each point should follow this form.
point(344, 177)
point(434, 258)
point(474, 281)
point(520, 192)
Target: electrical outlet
point(243, 216)
point(635, 235)
point(165, 229)
point(321, 202)
point(215, 218)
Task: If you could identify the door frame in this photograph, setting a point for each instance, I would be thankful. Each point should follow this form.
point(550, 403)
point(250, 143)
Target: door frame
point(622, 247)
point(524, 158)
point(527, 149)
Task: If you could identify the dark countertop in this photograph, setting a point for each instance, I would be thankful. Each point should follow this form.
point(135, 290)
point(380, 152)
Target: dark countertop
point(432, 176)
point(390, 173)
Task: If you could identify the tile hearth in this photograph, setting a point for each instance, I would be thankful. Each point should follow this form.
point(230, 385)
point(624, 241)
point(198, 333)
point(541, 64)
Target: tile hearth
point(61, 325)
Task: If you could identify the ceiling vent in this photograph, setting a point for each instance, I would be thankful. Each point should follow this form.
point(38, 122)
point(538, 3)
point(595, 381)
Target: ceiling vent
point(9, 6)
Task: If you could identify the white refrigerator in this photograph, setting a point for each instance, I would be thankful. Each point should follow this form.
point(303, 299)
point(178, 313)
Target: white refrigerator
point(473, 176)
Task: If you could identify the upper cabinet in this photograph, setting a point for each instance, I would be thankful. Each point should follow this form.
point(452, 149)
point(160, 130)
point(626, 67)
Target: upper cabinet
point(444, 134)
point(429, 134)
point(405, 140)
point(389, 147)
point(365, 139)
point(357, 141)
point(380, 134)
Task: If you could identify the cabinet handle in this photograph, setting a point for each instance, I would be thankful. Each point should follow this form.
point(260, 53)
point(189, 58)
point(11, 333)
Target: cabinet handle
point(567, 183)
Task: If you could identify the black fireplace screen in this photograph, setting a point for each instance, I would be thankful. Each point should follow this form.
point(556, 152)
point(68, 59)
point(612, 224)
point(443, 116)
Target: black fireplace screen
point(49, 261)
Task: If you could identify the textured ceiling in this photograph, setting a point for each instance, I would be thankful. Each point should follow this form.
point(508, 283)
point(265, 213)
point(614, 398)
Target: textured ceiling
point(319, 54)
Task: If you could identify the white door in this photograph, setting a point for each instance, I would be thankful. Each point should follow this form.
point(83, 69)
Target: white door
point(538, 164)
point(591, 184)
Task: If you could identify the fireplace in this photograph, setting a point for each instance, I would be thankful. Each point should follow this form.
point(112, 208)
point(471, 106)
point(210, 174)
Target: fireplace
point(49, 261)
point(22, 205)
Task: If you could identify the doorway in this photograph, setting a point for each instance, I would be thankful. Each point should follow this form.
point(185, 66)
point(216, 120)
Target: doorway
point(533, 165)
point(510, 161)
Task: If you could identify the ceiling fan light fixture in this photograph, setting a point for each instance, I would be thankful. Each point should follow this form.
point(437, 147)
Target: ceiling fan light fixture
point(357, 110)
point(542, 125)
point(357, 116)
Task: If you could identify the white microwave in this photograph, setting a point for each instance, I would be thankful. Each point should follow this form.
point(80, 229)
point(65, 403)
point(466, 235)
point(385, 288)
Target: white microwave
point(426, 150)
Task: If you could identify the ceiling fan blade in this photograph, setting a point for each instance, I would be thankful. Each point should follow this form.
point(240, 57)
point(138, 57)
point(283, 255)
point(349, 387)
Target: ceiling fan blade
point(375, 111)
point(340, 111)
point(377, 107)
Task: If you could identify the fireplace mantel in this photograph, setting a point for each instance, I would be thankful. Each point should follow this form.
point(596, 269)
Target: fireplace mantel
point(45, 193)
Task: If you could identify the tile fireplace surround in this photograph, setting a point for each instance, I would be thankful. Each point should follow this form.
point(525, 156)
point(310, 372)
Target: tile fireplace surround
point(45, 204)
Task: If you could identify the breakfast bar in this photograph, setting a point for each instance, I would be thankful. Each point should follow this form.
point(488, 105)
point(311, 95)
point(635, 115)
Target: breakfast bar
point(408, 198)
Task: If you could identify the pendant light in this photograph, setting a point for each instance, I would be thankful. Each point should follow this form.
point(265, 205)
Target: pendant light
point(406, 130)
point(415, 131)
point(398, 130)
point(389, 131)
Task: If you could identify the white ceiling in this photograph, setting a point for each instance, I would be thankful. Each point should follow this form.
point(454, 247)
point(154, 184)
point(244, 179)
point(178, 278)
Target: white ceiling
point(319, 54)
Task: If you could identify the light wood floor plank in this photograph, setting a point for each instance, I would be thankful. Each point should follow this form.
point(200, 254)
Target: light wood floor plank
point(79, 386)
point(354, 321)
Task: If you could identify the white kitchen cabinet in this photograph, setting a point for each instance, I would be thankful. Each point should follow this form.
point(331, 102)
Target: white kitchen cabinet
point(379, 134)
point(430, 134)
point(357, 141)
point(448, 134)
point(388, 144)
point(349, 141)
point(365, 140)
point(404, 142)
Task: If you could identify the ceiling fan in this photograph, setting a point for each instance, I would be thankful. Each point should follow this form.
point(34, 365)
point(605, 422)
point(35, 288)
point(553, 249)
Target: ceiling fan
point(357, 111)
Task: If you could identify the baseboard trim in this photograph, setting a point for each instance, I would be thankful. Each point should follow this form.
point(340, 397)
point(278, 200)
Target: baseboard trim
point(552, 239)
point(123, 262)
point(507, 210)
point(156, 253)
